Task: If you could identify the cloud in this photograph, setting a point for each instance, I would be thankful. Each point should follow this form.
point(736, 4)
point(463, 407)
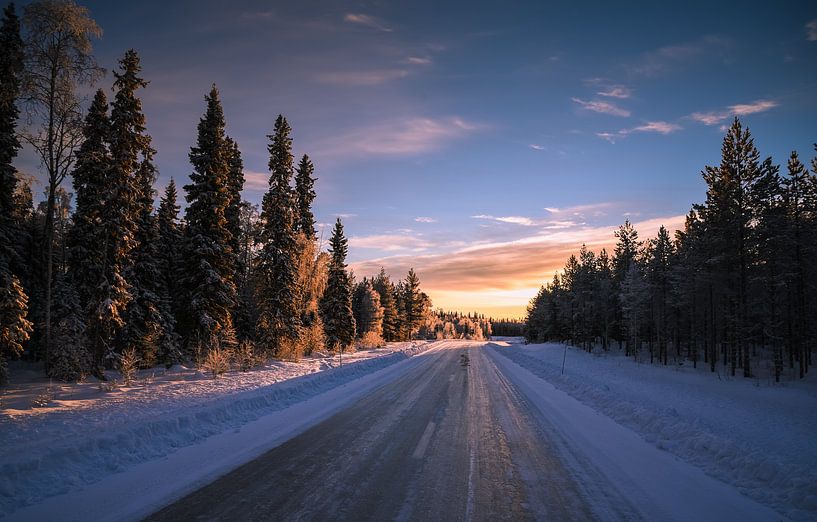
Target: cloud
point(510, 265)
point(658, 127)
point(345, 216)
point(401, 137)
point(361, 78)
point(390, 242)
point(515, 220)
point(536, 147)
point(602, 107)
point(811, 31)
point(661, 127)
point(424, 219)
point(741, 109)
point(256, 180)
point(751, 108)
point(367, 21)
point(663, 59)
point(616, 91)
point(419, 60)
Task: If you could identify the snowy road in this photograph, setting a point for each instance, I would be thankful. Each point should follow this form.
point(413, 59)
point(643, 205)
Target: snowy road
point(448, 440)
point(459, 437)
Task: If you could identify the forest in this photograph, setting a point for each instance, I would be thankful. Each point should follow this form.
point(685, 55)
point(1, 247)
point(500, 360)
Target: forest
point(735, 287)
point(99, 277)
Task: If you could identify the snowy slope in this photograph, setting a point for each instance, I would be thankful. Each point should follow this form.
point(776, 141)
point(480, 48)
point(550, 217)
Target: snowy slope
point(86, 437)
point(760, 438)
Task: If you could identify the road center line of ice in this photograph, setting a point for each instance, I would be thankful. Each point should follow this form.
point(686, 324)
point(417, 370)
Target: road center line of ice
point(420, 450)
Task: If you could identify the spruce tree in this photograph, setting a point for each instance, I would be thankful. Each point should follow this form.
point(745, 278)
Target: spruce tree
point(336, 303)
point(127, 140)
point(279, 320)
point(86, 238)
point(414, 304)
point(150, 325)
point(384, 287)
point(209, 262)
point(11, 68)
point(305, 193)
point(235, 184)
point(170, 243)
point(14, 327)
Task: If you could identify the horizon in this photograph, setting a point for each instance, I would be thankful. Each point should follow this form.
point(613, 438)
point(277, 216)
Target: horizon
point(482, 148)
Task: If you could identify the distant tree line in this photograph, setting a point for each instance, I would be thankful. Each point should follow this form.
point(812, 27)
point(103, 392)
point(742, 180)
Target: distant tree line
point(737, 286)
point(118, 283)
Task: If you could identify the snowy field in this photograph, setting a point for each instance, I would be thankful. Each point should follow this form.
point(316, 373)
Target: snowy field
point(756, 436)
point(81, 435)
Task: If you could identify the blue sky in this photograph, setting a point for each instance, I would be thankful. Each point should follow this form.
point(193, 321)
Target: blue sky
point(480, 142)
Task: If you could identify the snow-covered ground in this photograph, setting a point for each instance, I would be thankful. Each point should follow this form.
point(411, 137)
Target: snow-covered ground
point(84, 435)
point(758, 437)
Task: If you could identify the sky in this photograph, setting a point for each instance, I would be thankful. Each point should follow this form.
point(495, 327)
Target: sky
point(479, 142)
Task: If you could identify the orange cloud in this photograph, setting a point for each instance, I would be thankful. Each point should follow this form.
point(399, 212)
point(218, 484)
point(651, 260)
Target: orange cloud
point(502, 274)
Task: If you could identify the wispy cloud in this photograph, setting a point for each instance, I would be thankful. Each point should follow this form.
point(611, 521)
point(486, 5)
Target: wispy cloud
point(367, 21)
point(536, 147)
point(405, 136)
point(506, 265)
point(425, 219)
point(256, 181)
point(361, 78)
point(419, 60)
point(602, 107)
point(811, 30)
point(657, 127)
point(616, 91)
point(391, 242)
point(742, 109)
point(664, 59)
point(516, 220)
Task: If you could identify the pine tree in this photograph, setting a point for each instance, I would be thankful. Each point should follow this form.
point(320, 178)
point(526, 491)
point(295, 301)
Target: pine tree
point(169, 241)
point(14, 327)
point(279, 321)
point(336, 304)
point(86, 238)
point(209, 262)
point(127, 140)
point(384, 287)
point(414, 304)
point(235, 184)
point(305, 194)
point(11, 68)
point(625, 253)
point(150, 325)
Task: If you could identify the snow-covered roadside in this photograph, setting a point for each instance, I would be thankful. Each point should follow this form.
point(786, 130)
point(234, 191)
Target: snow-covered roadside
point(131, 459)
point(654, 483)
point(760, 439)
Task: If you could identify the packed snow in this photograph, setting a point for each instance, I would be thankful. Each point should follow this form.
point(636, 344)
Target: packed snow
point(754, 435)
point(72, 436)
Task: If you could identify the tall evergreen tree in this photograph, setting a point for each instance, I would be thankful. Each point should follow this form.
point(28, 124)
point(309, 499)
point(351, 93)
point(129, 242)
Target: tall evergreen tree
point(279, 320)
point(169, 241)
point(235, 184)
point(14, 327)
point(70, 357)
point(209, 262)
point(305, 194)
point(336, 304)
point(384, 287)
point(86, 238)
point(127, 140)
point(11, 68)
point(414, 304)
point(150, 325)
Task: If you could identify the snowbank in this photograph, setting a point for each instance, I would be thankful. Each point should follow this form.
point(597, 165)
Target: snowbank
point(62, 449)
point(760, 438)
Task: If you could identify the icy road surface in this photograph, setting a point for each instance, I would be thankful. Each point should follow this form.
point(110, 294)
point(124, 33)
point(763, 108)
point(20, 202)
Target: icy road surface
point(466, 434)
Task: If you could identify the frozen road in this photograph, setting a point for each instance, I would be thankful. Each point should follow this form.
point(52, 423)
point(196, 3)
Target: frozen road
point(452, 438)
